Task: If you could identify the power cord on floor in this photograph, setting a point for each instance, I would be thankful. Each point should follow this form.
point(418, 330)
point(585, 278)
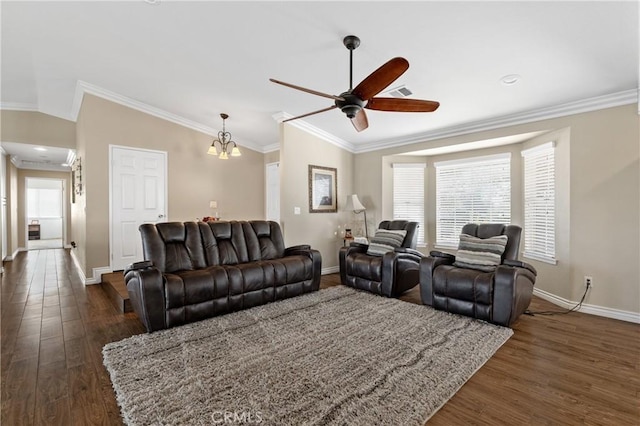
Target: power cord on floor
point(584, 295)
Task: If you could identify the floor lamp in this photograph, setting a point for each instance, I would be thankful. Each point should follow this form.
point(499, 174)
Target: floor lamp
point(354, 205)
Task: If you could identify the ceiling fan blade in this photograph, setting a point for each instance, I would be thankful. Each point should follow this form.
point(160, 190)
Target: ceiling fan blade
point(360, 121)
point(310, 113)
point(381, 78)
point(402, 105)
point(304, 89)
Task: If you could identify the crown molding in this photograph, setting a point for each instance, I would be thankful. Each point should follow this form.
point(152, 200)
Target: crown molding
point(271, 148)
point(82, 88)
point(315, 131)
point(18, 106)
point(586, 105)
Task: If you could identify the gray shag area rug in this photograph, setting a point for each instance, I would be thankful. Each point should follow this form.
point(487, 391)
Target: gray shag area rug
point(333, 357)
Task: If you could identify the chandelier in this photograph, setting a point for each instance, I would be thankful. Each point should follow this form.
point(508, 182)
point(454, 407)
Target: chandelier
point(224, 139)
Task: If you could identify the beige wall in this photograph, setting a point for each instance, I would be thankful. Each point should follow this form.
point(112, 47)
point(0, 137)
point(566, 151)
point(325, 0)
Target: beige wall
point(298, 150)
point(599, 206)
point(37, 129)
point(271, 157)
point(194, 177)
point(23, 174)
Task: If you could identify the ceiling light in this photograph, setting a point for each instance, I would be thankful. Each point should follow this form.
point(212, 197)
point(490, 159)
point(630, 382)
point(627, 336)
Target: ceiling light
point(39, 148)
point(224, 140)
point(510, 79)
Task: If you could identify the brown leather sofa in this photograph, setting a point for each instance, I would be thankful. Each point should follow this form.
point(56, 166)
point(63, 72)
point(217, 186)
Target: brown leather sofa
point(499, 297)
point(194, 271)
point(388, 275)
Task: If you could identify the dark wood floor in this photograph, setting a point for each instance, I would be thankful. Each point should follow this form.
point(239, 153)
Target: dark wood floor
point(560, 370)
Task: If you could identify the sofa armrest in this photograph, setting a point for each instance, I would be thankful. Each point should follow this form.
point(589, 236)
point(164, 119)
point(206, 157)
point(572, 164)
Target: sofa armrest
point(512, 290)
point(146, 291)
point(138, 265)
point(298, 248)
point(316, 260)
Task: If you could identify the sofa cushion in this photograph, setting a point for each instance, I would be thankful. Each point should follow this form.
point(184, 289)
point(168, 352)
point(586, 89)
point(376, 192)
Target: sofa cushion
point(483, 254)
point(385, 240)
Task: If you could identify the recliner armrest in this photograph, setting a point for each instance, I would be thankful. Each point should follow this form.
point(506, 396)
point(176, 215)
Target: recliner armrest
point(408, 253)
point(436, 253)
point(520, 264)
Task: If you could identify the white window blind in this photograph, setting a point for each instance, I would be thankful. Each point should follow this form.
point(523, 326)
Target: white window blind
point(539, 203)
point(408, 194)
point(473, 190)
point(44, 203)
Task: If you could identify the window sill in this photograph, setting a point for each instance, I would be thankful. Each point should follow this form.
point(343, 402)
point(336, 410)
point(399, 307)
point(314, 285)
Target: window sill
point(539, 258)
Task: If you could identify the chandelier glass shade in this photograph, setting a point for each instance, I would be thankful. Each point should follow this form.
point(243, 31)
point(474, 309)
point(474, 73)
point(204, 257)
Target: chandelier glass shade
point(226, 146)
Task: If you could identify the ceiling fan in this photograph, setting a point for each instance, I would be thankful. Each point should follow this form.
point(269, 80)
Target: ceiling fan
point(354, 101)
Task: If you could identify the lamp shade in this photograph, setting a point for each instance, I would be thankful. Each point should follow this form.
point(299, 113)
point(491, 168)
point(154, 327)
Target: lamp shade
point(354, 204)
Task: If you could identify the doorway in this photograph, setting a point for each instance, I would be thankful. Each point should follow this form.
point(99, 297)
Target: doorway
point(45, 219)
point(273, 192)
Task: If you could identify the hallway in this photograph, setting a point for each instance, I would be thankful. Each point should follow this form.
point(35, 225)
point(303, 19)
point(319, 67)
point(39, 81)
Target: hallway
point(53, 330)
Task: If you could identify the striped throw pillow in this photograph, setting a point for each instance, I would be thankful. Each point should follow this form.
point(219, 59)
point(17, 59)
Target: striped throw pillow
point(484, 254)
point(385, 240)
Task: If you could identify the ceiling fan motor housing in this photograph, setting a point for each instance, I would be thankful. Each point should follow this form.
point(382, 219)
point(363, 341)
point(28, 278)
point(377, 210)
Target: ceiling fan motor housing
point(351, 104)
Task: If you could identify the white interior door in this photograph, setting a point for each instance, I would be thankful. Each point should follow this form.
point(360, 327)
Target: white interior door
point(138, 194)
point(3, 207)
point(273, 192)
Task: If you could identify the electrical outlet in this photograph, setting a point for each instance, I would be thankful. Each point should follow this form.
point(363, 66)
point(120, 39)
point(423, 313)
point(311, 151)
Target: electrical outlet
point(588, 281)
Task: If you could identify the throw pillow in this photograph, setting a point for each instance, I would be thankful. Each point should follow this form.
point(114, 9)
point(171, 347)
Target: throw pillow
point(385, 240)
point(484, 254)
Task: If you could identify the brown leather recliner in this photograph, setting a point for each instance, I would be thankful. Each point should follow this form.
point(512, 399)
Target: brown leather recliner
point(499, 297)
point(388, 275)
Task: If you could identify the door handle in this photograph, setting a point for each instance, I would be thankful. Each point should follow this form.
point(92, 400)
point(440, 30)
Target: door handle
point(160, 216)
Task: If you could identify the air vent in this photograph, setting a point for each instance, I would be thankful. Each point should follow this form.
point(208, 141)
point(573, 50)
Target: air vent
point(399, 92)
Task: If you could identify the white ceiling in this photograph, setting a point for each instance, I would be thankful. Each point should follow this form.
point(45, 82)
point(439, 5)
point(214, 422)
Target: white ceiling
point(38, 157)
point(193, 60)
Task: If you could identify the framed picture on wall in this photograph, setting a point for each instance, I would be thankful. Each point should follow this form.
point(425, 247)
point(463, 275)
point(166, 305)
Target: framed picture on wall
point(323, 189)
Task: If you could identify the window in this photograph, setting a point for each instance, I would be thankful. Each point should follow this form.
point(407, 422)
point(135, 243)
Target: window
point(44, 203)
point(408, 194)
point(539, 203)
point(472, 190)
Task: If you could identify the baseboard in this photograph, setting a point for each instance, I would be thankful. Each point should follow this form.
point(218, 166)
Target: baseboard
point(97, 272)
point(97, 275)
point(14, 254)
point(330, 270)
point(589, 309)
point(76, 262)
